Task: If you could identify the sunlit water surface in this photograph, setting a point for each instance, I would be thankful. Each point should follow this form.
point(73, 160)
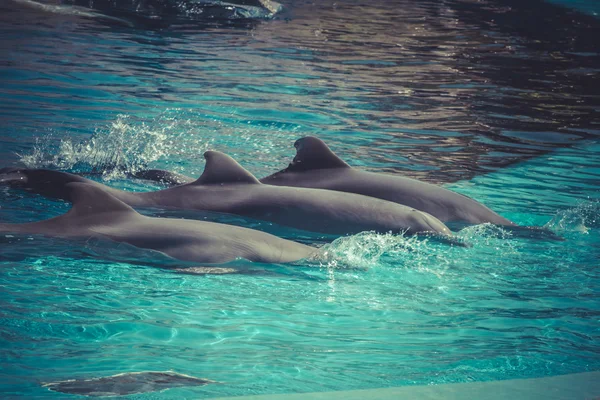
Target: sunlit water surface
point(459, 93)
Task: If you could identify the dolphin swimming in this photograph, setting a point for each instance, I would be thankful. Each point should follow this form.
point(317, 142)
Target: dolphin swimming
point(316, 166)
point(226, 187)
point(97, 214)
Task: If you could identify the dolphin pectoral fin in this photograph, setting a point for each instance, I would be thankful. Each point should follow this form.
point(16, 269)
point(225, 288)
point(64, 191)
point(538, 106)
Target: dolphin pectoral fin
point(220, 168)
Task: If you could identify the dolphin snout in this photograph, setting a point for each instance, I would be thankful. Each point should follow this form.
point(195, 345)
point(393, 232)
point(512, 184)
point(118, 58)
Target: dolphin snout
point(430, 226)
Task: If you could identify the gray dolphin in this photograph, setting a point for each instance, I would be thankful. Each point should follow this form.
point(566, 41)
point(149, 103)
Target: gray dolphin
point(126, 383)
point(227, 187)
point(316, 166)
point(97, 214)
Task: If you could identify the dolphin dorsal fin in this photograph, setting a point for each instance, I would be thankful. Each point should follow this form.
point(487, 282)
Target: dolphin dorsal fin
point(313, 153)
point(220, 168)
point(89, 199)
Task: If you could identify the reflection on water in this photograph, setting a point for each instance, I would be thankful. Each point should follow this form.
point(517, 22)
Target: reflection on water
point(441, 90)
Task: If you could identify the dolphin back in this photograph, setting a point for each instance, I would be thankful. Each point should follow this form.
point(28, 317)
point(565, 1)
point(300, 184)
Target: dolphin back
point(163, 177)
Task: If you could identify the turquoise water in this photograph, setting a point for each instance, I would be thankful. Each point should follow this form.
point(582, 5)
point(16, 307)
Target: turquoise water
point(590, 7)
point(463, 96)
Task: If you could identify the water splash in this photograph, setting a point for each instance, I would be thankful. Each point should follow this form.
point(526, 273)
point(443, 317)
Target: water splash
point(174, 140)
point(366, 250)
point(372, 250)
point(581, 218)
point(124, 147)
point(485, 234)
point(227, 10)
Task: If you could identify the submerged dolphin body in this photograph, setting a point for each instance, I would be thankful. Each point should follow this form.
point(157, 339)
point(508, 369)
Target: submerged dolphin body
point(316, 166)
point(228, 188)
point(126, 383)
point(97, 214)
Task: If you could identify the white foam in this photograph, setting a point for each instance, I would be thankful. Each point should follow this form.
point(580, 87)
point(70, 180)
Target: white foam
point(124, 147)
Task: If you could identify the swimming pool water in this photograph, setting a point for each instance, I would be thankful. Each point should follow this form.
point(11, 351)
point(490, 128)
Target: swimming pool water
point(499, 108)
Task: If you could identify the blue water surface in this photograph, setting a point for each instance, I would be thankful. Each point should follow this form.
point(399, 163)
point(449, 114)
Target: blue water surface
point(496, 100)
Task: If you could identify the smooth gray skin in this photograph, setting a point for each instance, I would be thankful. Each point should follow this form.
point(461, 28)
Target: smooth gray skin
point(316, 166)
point(228, 188)
point(97, 214)
point(126, 383)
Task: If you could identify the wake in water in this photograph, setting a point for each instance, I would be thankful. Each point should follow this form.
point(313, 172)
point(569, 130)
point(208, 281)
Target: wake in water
point(486, 242)
point(371, 250)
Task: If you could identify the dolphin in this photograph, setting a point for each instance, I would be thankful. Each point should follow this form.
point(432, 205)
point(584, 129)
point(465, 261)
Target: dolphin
point(97, 214)
point(126, 383)
point(226, 187)
point(316, 166)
